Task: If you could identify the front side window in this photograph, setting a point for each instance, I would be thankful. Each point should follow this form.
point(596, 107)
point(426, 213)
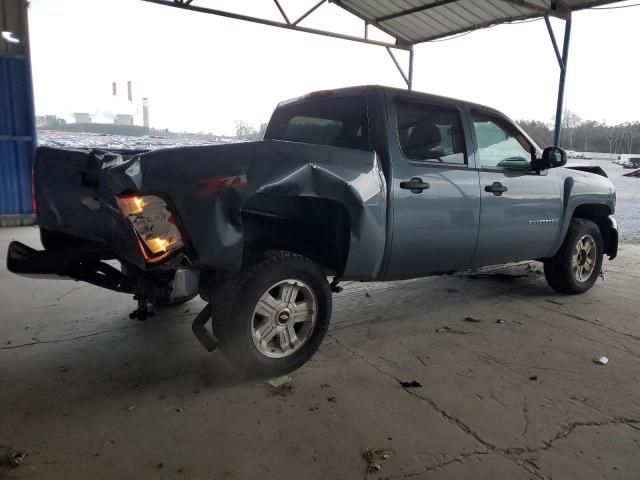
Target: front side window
point(430, 133)
point(338, 122)
point(500, 144)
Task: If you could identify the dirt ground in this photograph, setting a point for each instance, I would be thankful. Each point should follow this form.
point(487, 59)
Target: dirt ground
point(508, 390)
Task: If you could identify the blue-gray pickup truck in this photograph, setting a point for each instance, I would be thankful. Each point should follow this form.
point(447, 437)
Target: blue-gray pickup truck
point(364, 183)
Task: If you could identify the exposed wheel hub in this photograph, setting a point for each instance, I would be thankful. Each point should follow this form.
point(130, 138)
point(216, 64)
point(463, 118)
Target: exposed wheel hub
point(284, 316)
point(584, 257)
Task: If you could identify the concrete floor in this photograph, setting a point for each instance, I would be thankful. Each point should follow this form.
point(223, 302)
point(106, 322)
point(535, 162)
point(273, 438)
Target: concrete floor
point(92, 394)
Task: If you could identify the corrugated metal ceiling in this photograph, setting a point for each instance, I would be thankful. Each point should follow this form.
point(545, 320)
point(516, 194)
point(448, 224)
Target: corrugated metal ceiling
point(416, 21)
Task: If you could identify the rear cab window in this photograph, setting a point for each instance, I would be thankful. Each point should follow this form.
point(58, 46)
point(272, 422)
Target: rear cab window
point(337, 122)
point(430, 133)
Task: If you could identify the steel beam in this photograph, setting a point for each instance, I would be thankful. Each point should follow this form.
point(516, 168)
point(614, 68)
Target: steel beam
point(414, 10)
point(552, 36)
point(561, 84)
point(408, 78)
point(410, 82)
point(309, 12)
point(284, 15)
point(272, 23)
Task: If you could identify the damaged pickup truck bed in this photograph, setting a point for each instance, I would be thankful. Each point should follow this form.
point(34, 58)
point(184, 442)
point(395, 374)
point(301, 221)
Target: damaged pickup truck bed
point(363, 183)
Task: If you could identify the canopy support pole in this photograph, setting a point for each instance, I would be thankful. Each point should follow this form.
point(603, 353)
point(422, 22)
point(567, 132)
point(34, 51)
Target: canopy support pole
point(407, 77)
point(410, 82)
point(562, 63)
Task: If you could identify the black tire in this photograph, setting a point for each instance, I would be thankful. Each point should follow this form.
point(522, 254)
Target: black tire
point(558, 270)
point(233, 311)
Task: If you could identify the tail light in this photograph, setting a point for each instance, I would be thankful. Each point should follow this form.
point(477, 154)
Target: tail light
point(154, 224)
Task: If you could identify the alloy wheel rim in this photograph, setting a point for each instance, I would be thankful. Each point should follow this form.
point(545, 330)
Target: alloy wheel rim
point(583, 261)
point(284, 318)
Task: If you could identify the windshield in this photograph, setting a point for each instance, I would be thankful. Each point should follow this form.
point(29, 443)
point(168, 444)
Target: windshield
point(338, 122)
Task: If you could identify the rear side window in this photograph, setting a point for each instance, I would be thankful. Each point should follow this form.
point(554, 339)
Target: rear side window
point(430, 133)
point(338, 122)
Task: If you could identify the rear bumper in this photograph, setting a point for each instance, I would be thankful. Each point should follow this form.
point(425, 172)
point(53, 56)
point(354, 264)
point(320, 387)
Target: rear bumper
point(79, 262)
point(85, 263)
point(611, 237)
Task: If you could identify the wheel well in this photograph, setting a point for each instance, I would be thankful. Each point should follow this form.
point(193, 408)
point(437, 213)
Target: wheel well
point(317, 228)
point(598, 214)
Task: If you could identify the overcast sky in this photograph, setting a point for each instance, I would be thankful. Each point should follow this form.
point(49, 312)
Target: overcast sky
point(201, 72)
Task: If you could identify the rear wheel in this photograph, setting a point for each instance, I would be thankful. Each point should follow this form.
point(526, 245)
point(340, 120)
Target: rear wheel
point(271, 318)
point(576, 266)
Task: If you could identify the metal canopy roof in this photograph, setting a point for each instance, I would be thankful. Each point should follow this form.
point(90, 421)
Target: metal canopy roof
point(411, 22)
point(417, 21)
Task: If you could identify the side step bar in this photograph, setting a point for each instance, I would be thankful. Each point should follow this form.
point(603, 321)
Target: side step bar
point(79, 262)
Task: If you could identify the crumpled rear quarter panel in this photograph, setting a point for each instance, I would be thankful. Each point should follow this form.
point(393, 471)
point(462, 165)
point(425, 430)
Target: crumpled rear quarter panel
point(208, 186)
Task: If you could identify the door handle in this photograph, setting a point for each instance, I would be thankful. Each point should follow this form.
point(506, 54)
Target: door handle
point(416, 185)
point(496, 188)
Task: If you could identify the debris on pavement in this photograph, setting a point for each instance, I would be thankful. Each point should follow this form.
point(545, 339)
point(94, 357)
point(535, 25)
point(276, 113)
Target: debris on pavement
point(159, 465)
point(63, 369)
point(447, 329)
point(131, 408)
point(282, 386)
point(374, 458)
point(500, 321)
point(12, 458)
point(601, 360)
point(332, 399)
point(367, 294)
point(411, 384)
point(472, 319)
point(279, 381)
point(177, 410)
point(533, 378)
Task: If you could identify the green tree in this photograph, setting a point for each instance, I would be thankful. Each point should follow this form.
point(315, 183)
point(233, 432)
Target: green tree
point(244, 131)
point(538, 131)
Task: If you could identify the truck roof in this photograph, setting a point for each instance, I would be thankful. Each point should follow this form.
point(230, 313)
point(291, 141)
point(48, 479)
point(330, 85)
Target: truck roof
point(361, 89)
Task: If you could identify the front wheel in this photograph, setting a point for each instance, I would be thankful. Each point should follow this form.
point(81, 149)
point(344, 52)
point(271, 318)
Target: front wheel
point(576, 266)
point(271, 317)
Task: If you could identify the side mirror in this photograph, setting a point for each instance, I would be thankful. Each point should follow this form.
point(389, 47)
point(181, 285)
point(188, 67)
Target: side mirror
point(553, 157)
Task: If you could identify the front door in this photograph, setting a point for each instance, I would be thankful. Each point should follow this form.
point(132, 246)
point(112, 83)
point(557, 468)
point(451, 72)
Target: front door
point(436, 195)
point(520, 210)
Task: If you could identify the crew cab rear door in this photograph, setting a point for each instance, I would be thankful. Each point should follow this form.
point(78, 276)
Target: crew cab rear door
point(435, 193)
point(520, 209)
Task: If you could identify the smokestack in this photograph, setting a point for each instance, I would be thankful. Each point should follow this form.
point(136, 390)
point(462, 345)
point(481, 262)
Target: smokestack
point(114, 88)
point(145, 112)
point(129, 90)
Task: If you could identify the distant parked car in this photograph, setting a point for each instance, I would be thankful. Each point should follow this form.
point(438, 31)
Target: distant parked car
point(633, 162)
point(628, 160)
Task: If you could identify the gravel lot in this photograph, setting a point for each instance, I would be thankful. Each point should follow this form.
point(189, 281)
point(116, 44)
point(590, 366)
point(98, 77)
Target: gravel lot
point(628, 204)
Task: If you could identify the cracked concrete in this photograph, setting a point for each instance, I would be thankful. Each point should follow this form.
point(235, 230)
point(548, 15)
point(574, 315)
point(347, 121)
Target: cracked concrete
point(93, 394)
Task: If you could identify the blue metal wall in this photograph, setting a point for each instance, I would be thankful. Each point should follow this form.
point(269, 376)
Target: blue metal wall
point(17, 135)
